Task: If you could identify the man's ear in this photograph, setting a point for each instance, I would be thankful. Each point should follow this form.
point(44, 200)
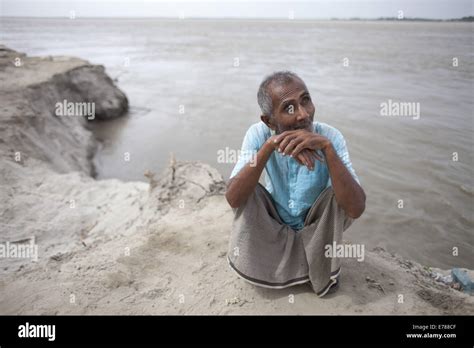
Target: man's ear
point(268, 121)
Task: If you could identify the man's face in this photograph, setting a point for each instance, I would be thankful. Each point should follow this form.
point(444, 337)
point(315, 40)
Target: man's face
point(292, 107)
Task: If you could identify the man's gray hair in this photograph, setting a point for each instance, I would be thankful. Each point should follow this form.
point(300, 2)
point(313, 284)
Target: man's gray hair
point(264, 97)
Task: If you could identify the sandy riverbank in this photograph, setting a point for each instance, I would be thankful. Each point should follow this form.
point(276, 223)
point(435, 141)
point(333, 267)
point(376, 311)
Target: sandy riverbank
point(110, 247)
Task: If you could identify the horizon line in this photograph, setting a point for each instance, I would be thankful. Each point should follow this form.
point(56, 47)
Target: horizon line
point(464, 18)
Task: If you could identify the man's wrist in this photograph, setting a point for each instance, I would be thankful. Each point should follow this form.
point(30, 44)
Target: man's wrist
point(269, 146)
point(327, 146)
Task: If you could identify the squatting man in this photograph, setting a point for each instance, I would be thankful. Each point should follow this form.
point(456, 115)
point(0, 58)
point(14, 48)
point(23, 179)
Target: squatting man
point(311, 195)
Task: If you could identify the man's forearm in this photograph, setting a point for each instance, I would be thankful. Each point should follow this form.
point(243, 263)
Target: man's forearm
point(349, 194)
point(242, 185)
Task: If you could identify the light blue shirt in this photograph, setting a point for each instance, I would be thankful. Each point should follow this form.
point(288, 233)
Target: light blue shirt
point(294, 187)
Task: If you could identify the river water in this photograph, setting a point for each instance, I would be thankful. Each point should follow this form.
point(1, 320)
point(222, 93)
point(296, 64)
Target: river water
point(192, 88)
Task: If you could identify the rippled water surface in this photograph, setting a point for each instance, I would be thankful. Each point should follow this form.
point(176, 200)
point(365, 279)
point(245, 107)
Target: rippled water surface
point(188, 97)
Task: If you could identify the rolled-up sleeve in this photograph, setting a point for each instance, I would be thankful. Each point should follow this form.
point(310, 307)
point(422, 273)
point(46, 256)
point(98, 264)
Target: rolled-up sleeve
point(248, 152)
point(339, 144)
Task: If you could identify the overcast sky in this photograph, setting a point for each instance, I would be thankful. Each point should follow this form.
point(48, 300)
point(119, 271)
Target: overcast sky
point(439, 9)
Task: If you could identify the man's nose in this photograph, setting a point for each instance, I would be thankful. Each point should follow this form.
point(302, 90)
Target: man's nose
point(302, 113)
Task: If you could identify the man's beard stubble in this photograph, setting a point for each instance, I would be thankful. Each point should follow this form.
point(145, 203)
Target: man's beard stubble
point(306, 125)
